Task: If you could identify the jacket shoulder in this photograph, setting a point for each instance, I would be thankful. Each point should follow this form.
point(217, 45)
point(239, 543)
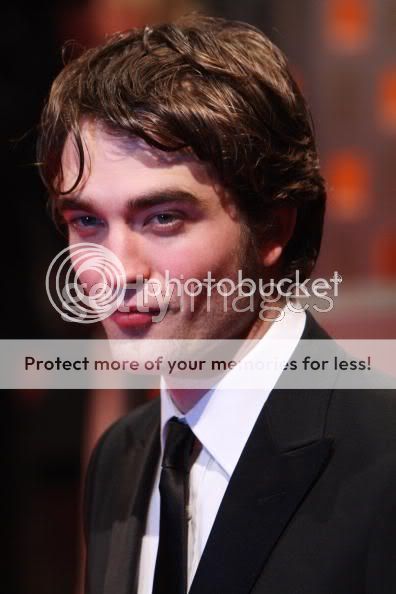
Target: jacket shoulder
point(127, 430)
point(112, 448)
point(366, 418)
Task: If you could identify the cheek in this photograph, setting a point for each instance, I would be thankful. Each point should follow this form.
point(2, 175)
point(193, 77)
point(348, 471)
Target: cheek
point(210, 251)
point(186, 264)
point(194, 265)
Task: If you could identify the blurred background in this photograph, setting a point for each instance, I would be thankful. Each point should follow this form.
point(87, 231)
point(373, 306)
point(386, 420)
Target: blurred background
point(343, 53)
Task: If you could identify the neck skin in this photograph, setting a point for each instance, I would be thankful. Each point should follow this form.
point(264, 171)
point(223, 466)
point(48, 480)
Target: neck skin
point(186, 399)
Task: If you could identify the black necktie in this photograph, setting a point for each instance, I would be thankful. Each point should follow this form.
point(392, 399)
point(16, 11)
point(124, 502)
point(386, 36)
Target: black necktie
point(170, 576)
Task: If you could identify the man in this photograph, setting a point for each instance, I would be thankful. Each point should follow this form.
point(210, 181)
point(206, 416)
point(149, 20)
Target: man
point(187, 148)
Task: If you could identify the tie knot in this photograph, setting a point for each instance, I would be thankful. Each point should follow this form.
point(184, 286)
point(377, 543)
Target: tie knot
point(178, 445)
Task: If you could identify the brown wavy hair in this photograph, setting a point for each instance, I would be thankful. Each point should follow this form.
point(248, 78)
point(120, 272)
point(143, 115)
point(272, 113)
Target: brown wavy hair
point(219, 88)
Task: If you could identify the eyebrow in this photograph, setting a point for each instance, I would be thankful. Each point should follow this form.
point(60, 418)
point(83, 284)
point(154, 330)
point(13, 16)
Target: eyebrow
point(77, 202)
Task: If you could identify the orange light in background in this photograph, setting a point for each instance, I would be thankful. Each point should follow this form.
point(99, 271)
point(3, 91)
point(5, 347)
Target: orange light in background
point(91, 22)
point(348, 24)
point(387, 98)
point(384, 254)
point(348, 177)
point(109, 16)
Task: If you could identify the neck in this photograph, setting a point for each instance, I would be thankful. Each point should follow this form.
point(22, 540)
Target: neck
point(186, 399)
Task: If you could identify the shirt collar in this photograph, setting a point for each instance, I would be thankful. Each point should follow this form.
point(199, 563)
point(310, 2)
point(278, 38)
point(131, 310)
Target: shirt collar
point(216, 418)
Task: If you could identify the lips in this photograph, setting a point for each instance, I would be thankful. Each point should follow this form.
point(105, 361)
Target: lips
point(133, 317)
point(128, 309)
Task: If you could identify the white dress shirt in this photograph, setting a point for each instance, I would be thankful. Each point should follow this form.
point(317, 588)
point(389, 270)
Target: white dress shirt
point(222, 422)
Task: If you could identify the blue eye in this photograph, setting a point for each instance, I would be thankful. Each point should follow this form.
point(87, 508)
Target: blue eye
point(165, 218)
point(85, 221)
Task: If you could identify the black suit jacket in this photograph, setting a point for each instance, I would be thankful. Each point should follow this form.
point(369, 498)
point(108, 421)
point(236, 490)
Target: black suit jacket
point(310, 508)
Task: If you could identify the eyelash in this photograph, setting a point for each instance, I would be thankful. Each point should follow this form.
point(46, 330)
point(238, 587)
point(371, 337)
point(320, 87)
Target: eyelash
point(177, 218)
point(76, 220)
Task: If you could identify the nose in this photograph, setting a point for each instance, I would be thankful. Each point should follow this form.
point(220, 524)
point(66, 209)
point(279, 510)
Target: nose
point(131, 250)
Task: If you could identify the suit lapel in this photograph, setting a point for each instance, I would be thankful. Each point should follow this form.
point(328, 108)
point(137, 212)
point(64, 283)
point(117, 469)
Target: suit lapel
point(264, 492)
point(284, 456)
point(134, 493)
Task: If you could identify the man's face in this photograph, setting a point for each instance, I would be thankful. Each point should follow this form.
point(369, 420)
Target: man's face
point(164, 216)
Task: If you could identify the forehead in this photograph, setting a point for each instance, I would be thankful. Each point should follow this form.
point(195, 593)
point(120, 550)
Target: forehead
point(118, 161)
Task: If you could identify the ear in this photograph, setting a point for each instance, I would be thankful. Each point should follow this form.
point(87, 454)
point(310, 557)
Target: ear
point(284, 222)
